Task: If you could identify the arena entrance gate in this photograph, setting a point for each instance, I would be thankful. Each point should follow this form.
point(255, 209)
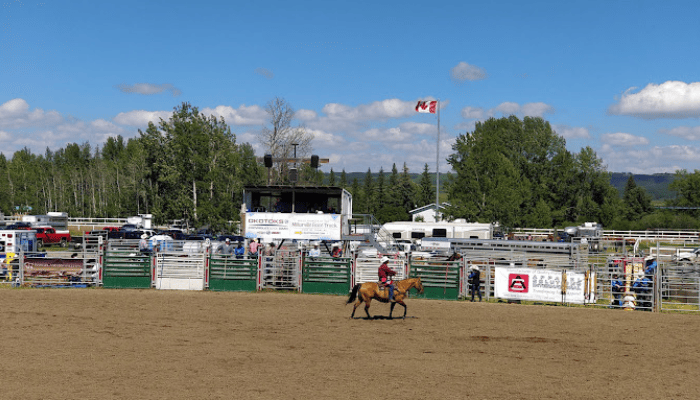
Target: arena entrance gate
point(181, 268)
point(281, 271)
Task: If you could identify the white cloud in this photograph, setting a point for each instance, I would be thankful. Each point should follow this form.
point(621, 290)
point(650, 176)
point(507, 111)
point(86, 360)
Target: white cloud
point(15, 114)
point(671, 99)
point(527, 109)
point(658, 159)
point(568, 132)
point(325, 139)
point(418, 128)
point(537, 109)
point(685, 132)
point(141, 118)
point(241, 116)
point(149, 89)
point(343, 118)
point(623, 139)
point(466, 72)
point(388, 135)
point(306, 115)
point(376, 111)
point(507, 108)
point(472, 113)
point(4, 136)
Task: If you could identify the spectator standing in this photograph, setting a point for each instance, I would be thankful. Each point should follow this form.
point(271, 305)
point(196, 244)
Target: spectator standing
point(475, 281)
point(617, 290)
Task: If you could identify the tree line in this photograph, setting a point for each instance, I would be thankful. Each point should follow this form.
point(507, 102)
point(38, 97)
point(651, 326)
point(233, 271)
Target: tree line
point(190, 167)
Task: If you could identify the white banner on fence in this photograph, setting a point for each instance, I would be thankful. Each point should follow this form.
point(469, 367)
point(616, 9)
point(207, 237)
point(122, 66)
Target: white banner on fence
point(293, 226)
point(542, 285)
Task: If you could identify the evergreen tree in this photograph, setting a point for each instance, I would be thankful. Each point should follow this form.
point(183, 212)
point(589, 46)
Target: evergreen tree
point(369, 195)
point(331, 178)
point(343, 179)
point(426, 191)
point(637, 202)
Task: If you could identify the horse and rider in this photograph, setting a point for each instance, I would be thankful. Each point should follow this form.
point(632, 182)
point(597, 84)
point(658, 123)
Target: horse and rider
point(385, 291)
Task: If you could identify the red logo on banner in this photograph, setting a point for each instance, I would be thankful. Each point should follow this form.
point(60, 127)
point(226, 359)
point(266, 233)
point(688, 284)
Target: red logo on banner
point(518, 283)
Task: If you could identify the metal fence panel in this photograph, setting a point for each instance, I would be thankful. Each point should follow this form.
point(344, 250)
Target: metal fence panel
point(327, 275)
point(127, 269)
point(228, 273)
point(441, 279)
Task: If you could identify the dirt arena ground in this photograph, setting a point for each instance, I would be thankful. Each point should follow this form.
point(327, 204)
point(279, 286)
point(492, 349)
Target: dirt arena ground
point(149, 344)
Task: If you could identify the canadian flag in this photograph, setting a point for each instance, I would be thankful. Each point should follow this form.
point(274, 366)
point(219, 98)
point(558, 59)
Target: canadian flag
point(427, 107)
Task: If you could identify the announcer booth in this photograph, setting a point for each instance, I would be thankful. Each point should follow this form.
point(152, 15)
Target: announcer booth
point(286, 214)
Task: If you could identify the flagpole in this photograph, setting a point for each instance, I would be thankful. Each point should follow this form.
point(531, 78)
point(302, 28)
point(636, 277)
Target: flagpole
point(437, 165)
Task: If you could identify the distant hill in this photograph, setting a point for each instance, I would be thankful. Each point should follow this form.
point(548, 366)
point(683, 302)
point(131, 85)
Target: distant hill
point(656, 185)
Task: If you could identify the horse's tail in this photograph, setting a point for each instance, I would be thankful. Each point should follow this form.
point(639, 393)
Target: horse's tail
point(353, 293)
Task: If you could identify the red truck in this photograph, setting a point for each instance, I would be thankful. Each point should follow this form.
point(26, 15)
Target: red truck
point(49, 235)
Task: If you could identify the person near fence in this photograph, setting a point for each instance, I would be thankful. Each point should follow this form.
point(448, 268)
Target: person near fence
point(315, 252)
point(239, 251)
point(268, 253)
point(253, 247)
point(143, 245)
point(475, 281)
point(642, 286)
point(337, 251)
point(617, 290)
point(651, 265)
point(226, 248)
point(384, 274)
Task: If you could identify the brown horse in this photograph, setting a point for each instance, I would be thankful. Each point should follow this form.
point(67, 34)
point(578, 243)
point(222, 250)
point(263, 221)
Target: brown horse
point(370, 290)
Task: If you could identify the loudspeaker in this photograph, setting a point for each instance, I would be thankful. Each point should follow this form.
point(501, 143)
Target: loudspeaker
point(292, 174)
point(268, 160)
point(314, 161)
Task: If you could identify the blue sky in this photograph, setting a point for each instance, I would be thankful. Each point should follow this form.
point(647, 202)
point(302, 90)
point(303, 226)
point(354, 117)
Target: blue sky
point(620, 76)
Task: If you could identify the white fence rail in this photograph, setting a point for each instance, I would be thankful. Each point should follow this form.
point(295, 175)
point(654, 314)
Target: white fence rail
point(649, 235)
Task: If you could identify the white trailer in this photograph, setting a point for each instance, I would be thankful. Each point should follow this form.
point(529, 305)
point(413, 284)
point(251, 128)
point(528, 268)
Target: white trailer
point(418, 230)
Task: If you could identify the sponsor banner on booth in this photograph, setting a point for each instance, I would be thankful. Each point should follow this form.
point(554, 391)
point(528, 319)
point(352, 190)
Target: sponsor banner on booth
point(293, 226)
point(541, 285)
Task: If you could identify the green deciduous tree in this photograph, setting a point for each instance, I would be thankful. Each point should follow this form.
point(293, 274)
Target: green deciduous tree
point(519, 173)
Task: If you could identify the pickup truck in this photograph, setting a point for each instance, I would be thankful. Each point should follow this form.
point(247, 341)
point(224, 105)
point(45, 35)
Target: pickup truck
point(49, 235)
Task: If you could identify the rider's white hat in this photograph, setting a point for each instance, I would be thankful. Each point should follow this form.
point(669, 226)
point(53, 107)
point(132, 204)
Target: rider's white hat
point(475, 267)
point(384, 259)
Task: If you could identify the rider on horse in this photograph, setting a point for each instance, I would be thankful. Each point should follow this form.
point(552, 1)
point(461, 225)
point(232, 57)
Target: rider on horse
point(384, 273)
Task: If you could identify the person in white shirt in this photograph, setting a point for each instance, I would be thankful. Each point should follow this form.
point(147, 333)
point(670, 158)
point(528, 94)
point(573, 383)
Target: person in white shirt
point(315, 252)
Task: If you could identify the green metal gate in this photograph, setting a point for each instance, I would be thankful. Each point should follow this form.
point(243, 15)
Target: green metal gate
point(440, 278)
point(127, 269)
point(233, 274)
point(326, 275)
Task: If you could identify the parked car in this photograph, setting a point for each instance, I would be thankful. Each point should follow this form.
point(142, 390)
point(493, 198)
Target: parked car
point(19, 226)
point(175, 234)
point(49, 235)
point(129, 227)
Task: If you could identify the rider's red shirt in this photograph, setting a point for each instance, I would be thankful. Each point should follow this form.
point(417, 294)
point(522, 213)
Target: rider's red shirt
point(385, 271)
